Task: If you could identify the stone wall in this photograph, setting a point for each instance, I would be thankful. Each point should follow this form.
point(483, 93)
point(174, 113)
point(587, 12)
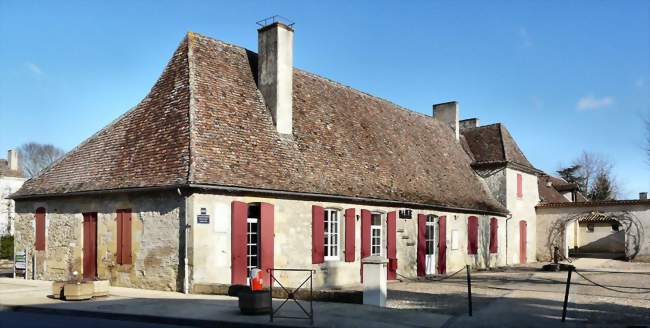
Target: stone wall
point(156, 222)
point(553, 222)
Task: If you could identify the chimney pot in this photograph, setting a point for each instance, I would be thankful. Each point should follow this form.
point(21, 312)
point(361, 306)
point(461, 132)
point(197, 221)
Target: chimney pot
point(643, 195)
point(275, 72)
point(12, 159)
point(448, 113)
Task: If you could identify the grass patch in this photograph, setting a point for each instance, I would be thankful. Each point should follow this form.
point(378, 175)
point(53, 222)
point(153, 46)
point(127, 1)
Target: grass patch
point(6, 247)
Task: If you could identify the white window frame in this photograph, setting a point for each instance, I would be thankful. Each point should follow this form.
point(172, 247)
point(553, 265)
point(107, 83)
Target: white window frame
point(381, 235)
point(249, 245)
point(332, 240)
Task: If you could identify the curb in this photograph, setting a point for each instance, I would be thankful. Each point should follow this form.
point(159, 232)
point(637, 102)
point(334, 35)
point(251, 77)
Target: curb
point(137, 317)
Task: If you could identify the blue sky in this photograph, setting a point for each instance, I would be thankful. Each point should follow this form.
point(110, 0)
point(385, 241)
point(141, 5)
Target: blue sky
point(563, 76)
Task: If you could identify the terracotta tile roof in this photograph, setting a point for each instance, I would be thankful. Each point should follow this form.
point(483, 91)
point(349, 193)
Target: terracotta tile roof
point(205, 122)
point(6, 172)
point(547, 192)
point(492, 144)
point(553, 193)
point(624, 202)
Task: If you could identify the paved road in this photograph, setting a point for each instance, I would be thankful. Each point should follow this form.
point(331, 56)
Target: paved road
point(37, 320)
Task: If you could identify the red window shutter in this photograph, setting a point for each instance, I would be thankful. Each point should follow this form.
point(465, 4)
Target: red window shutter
point(126, 237)
point(442, 244)
point(422, 247)
point(494, 228)
point(267, 236)
point(238, 229)
point(365, 233)
point(39, 244)
point(391, 244)
point(120, 231)
point(349, 235)
point(317, 234)
point(472, 235)
point(520, 188)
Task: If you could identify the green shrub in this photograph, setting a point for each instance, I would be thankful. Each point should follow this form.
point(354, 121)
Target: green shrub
point(6, 247)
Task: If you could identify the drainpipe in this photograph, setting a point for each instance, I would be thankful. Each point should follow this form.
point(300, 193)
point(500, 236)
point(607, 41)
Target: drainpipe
point(508, 217)
point(186, 265)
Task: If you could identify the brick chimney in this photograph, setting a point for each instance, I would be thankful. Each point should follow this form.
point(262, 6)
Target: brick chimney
point(275, 70)
point(448, 113)
point(12, 159)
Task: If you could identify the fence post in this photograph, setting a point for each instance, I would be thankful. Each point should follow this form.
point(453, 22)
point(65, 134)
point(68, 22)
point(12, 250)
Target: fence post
point(566, 293)
point(469, 290)
point(271, 277)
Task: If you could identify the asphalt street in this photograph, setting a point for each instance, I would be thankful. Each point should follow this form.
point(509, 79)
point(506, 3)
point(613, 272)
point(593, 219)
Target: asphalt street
point(10, 318)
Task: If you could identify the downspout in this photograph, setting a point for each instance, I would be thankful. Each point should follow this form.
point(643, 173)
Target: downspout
point(507, 219)
point(186, 265)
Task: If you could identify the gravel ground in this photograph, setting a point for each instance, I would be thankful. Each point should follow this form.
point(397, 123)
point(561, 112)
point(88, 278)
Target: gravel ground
point(526, 292)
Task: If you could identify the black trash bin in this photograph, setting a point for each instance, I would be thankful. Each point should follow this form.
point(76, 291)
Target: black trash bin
point(254, 302)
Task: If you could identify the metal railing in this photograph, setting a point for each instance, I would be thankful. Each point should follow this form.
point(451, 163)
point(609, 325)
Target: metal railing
point(275, 19)
point(291, 295)
point(573, 269)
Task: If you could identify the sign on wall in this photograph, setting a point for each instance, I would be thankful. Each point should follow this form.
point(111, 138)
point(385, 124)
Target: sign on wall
point(203, 218)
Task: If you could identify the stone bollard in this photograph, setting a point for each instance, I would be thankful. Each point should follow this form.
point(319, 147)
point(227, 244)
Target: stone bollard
point(374, 280)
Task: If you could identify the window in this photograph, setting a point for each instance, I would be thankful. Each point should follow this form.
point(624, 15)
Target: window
point(472, 235)
point(429, 234)
point(123, 251)
point(331, 225)
point(590, 227)
point(520, 187)
point(252, 238)
point(39, 244)
point(375, 235)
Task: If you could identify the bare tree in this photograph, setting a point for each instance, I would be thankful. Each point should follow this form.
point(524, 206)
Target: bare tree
point(592, 165)
point(34, 157)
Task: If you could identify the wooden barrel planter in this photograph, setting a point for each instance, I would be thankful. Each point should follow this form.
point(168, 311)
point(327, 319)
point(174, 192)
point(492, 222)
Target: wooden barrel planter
point(254, 302)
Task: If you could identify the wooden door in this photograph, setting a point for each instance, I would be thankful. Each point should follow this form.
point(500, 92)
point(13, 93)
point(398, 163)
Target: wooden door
point(522, 241)
point(90, 246)
point(442, 245)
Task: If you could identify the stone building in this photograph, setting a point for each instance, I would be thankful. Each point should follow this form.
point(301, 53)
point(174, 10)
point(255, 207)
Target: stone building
point(512, 180)
point(237, 160)
point(10, 181)
point(579, 227)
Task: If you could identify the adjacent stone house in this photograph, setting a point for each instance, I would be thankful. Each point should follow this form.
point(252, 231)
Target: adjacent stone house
point(237, 160)
point(512, 180)
point(10, 181)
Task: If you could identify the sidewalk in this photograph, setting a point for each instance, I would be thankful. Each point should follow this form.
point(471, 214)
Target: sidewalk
point(201, 310)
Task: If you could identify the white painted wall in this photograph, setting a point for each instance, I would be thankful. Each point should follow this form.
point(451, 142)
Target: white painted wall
point(8, 185)
point(210, 243)
point(521, 208)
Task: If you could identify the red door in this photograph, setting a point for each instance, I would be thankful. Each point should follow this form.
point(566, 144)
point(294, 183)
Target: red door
point(391, 245)
point(442, 245)
point(90, 246)
point(522, 241)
